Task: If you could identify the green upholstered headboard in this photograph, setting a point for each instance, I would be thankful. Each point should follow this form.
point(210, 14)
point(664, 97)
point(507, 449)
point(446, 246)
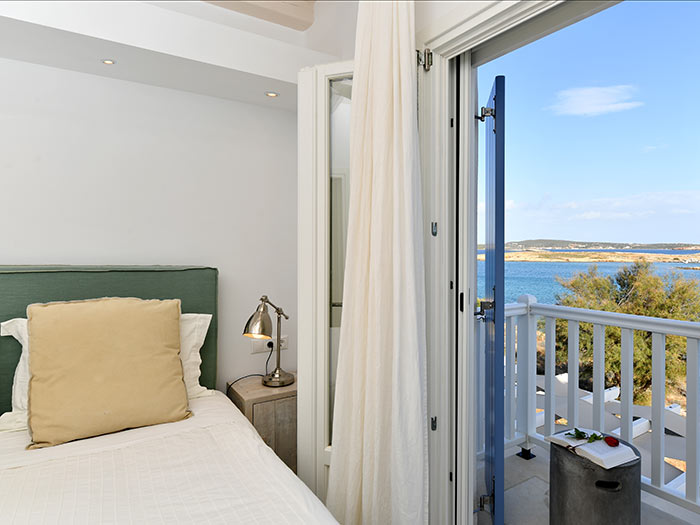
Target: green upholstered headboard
point(20, 286)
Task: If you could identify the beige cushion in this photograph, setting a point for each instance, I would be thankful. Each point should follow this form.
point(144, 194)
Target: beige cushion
point(101, 366)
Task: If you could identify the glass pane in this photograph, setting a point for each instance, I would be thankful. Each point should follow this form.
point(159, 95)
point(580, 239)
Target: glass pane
point(339, 192)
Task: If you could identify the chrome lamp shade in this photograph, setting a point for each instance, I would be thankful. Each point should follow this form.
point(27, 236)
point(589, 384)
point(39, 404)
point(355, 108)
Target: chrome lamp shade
point(259, 326)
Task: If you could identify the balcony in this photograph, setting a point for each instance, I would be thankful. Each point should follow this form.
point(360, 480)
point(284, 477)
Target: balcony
point(538, 405)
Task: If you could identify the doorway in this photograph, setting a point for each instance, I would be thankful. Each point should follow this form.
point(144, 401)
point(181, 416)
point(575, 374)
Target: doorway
point(475, 497)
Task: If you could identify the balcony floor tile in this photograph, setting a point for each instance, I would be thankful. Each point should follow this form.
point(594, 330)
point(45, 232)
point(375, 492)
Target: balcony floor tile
point(527, 494)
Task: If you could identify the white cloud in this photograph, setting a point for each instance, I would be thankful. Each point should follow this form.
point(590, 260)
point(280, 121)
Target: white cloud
point(588, 215)
point(656, 147)
point(658, 216)
point(609, 215)
point(632, 207)
point(593, 101)
point(570, 205)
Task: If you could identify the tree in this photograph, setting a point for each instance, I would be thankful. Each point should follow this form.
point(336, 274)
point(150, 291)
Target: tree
point(634, 289)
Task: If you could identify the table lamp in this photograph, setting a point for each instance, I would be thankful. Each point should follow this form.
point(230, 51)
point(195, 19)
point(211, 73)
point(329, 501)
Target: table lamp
point(259, 326)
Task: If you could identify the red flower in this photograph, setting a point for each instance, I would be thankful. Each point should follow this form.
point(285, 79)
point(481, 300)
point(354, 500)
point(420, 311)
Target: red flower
point(611, 441)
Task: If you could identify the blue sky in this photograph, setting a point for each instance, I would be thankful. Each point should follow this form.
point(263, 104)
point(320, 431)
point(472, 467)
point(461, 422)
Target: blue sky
point(603, 128)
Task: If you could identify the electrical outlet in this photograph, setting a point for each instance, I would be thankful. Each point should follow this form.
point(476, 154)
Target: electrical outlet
point(260, 346)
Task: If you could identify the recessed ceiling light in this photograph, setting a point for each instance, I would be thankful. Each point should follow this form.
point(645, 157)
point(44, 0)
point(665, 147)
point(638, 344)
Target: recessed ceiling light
point(108, 62)
point(271, 94)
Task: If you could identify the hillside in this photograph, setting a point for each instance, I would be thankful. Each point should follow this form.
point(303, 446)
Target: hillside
point(558, 244)
point(597, 257)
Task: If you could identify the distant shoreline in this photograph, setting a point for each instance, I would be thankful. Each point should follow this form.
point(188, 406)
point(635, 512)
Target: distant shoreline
point(595, 257)
point(567, 245)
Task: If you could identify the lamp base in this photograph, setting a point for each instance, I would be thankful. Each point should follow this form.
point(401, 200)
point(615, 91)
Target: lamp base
point(278, 377)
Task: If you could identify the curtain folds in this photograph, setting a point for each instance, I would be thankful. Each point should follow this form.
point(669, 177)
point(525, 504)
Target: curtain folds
point(379, 463)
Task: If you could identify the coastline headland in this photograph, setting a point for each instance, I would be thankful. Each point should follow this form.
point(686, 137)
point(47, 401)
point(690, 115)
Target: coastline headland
point(555, 250)
point(596, 257)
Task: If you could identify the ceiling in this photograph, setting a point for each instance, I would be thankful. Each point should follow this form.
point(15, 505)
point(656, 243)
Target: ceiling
point(66, 50)
point(223, 53)
point(297, 15)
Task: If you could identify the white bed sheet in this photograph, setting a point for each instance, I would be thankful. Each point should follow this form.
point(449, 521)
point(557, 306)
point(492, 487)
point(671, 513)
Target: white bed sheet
point(210, 468)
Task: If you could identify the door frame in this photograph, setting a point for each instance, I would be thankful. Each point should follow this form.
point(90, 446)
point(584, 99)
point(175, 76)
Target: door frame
point(477, 33)
point(313, 272)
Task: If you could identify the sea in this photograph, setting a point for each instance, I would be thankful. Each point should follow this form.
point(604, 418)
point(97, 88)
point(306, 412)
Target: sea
point(539, 278)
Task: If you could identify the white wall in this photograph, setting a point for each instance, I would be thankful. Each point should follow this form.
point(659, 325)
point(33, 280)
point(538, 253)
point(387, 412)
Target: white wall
point(434, 17)
point(103, 171)
point(430, 11)
point(332, 32)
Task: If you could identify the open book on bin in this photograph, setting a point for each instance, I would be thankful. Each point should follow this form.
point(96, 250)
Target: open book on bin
point(599, 452)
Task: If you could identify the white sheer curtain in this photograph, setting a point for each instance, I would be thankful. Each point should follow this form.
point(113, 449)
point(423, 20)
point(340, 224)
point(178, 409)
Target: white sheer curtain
point(379, 463)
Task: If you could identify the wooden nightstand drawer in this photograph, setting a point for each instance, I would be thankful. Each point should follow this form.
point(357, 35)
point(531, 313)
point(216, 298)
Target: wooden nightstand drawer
point(276, 422)
point(273, 413)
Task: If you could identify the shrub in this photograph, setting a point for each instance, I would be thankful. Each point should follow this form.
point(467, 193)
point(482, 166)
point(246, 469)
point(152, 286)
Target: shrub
point(634, 289)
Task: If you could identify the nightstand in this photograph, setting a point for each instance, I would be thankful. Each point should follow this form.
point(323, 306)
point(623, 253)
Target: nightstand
point(273, 413)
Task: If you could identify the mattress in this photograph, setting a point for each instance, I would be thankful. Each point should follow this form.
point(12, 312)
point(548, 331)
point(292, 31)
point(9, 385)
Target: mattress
point(210, 468)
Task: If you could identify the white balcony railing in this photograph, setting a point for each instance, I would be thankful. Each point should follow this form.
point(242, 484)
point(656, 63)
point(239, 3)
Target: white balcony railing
point(534, 402)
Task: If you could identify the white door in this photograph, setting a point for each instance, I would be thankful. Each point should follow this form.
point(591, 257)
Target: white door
point(325, 94)
point(323, 112)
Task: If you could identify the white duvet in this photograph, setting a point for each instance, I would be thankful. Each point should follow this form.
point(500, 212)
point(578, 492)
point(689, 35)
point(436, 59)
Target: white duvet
point(210, 468)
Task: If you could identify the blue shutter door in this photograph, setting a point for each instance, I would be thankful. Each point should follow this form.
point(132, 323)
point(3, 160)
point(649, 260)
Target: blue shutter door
point(494, 317)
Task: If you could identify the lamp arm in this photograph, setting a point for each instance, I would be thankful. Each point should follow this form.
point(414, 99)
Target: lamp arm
point(278, 310)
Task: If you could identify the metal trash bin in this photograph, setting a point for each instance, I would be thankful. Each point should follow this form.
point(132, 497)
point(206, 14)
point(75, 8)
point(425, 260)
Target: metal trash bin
point(583, 493)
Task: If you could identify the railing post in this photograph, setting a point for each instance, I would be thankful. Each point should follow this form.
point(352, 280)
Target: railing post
point(510, 379)
point(550, 334)
point(599, 377)
point(527, 371)
point(658, 407)
point(572, 375)
point(627, 383)
point(692, 439)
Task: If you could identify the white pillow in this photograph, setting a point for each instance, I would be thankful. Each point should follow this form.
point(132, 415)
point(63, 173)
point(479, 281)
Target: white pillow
point(193, 331)
point(17, 328)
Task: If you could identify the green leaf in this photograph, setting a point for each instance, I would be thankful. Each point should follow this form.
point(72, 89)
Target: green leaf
point(578, 434)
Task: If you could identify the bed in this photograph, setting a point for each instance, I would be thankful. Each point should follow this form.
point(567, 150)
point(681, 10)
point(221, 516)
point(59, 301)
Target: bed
point(210, 468)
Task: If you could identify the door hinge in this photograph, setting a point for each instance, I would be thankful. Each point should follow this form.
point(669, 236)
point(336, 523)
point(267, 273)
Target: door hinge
point(433, 423)
point(485, 112)
point(485, 502)
point(488, 112)
point(425, 58)
point(483, 306)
